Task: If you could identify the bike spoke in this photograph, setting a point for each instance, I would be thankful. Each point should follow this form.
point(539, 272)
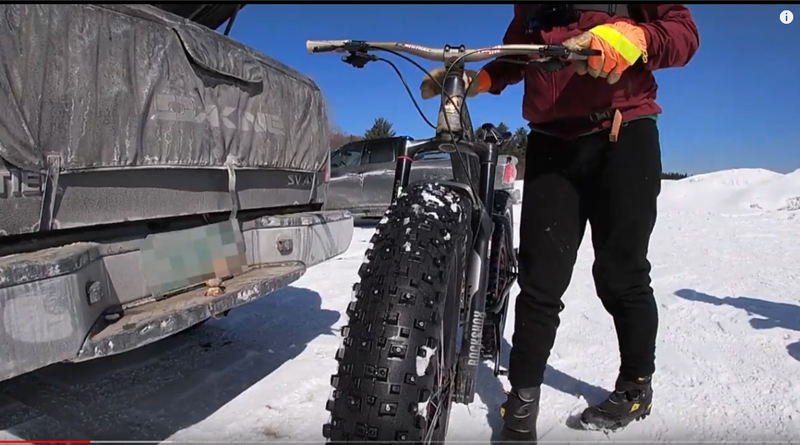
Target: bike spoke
point(442, 383)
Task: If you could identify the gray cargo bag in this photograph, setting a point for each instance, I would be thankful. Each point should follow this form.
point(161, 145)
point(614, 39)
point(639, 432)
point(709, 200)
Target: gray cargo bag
point(126, 112)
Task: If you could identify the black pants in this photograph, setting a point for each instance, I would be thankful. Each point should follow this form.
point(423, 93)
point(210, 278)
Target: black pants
point(613, 186)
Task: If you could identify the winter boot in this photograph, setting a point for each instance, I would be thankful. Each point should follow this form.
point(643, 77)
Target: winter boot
point(631, 400)
point(519, 415)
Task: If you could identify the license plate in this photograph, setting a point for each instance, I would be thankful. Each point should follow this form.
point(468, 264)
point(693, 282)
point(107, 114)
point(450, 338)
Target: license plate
point(176, 260)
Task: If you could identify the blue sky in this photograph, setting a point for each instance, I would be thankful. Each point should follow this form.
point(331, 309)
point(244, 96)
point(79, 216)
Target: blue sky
point(737, 104)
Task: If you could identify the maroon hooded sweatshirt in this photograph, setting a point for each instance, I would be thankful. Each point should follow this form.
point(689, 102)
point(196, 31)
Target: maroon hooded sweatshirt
point(553, 101)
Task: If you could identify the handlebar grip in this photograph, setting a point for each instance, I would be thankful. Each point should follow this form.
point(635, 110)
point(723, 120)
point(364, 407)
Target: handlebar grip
point(319, 46)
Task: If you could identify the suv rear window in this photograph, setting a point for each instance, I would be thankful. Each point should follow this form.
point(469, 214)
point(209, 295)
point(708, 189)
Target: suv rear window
point(348, 156)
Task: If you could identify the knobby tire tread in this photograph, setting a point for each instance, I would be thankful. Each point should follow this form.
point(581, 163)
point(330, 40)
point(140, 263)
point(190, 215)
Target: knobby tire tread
point(395, 318)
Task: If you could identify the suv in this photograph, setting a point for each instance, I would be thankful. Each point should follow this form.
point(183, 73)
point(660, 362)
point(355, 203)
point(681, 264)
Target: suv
point(362, 174)
point(153, 173)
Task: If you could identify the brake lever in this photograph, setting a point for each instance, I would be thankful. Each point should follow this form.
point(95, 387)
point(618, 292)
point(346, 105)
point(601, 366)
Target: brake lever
point(556, 58)
point(359, 59)
point(564, 52)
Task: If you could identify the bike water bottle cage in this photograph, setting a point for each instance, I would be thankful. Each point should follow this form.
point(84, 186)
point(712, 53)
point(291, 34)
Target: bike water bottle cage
point(548, 15)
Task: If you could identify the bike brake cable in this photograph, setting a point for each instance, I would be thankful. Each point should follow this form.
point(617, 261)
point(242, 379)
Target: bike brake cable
point(419, 110)
point(461, 160)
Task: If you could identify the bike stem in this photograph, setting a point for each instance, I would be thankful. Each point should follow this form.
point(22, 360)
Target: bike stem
point(454, 119)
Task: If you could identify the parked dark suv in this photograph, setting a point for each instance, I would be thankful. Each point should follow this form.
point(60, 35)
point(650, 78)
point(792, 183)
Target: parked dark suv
point(362, 173)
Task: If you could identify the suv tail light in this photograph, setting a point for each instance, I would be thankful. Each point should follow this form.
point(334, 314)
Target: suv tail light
point(326, 170)
point(326, 174)
point(509, 173)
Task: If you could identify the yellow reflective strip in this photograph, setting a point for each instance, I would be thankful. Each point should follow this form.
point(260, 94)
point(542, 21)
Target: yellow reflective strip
point(624, 47)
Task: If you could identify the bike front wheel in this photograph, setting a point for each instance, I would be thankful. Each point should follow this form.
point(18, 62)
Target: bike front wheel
point(398, 357)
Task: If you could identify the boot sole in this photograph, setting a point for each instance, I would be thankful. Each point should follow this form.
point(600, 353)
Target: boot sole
point(511, 437)
point(614, 426)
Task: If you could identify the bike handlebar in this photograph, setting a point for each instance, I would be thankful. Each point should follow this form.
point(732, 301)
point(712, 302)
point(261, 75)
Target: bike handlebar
point(449, 52)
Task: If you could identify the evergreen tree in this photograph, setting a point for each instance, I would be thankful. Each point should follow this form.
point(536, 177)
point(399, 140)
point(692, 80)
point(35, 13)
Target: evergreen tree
point(672, 176)
point(380, 129)
point(501, 128)
point(521, 136)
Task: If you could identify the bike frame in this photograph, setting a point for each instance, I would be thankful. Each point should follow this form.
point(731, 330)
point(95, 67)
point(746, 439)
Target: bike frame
point(455, 135)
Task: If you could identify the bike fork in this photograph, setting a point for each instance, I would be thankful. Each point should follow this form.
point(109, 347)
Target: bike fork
point(402, 170)
point(469, 356)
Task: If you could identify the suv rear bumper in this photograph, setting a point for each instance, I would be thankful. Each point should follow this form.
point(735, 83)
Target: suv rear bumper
point(74, 302)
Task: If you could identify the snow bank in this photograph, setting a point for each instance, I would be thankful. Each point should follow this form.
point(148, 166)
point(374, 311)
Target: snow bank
point(709, 190)
point(779, 194)
point(736, 190)
point(734, 178)
point(742, 190)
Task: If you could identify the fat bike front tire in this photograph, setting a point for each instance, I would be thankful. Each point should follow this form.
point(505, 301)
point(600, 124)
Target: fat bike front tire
point(399, 349)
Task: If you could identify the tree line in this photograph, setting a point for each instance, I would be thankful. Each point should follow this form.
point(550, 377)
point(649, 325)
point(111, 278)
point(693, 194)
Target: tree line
point(382, 128)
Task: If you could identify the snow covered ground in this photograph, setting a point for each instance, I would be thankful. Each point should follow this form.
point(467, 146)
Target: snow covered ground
point(726, 256)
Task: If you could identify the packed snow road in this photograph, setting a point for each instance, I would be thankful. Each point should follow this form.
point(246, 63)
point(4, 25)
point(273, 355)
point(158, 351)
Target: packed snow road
point(726, 269)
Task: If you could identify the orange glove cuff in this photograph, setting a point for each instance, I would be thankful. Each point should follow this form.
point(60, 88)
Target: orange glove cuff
point(484, 82)
point(621, 41)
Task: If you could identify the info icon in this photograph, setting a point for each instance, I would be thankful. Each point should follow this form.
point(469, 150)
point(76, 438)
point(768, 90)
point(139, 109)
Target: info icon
point(787, 17)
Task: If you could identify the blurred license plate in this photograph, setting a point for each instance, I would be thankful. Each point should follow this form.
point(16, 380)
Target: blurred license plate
point(177, 260)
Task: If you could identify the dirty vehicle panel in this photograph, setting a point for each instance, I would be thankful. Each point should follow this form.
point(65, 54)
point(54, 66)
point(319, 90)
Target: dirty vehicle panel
point(149, 113)
point(153, 173)
point(362, 174)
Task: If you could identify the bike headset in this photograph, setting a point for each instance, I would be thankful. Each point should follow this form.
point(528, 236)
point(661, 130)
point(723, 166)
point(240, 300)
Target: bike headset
point(547, 15)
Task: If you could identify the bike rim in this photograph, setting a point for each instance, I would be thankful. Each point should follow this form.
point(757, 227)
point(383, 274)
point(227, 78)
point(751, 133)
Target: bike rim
point(438, 406)
point(437, 415)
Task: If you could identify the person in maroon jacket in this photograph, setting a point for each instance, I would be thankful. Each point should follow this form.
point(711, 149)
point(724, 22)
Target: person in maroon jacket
point(593, 155)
